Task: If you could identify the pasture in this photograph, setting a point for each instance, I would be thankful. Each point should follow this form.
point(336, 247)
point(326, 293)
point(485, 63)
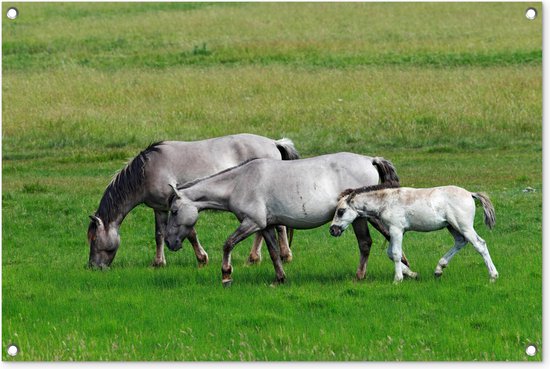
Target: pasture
point(450, 99)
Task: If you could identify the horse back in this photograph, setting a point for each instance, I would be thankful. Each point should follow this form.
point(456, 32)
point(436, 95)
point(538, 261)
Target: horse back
point(179, 162)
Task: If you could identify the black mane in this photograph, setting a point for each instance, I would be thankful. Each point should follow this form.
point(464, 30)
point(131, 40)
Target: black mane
point(128, 181)
point(382, 186)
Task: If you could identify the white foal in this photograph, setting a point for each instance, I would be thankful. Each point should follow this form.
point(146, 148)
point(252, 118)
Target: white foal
point(403, 209)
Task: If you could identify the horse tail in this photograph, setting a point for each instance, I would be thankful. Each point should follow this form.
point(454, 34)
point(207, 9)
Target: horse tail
point(287, 149)
point(386, 170)
point(488, 208)
point(288, 152)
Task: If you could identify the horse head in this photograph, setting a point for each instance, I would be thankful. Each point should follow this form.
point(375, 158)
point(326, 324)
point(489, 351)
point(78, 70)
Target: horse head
point(344, 215)
point(104, 242)
point(181, 220)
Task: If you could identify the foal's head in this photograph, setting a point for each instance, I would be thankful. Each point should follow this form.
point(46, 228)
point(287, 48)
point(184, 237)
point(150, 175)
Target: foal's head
point(182, 219)
point(104, 242)
point(344, 215)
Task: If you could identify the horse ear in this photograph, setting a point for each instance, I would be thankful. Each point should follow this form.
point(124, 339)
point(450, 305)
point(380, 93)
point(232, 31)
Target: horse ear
point(345, 193)
point(176, 191)
point(96, 220)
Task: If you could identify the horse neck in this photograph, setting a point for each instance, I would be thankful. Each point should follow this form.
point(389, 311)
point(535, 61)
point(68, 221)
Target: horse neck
point(368, 204)
point(116, 204)
point(212, 193)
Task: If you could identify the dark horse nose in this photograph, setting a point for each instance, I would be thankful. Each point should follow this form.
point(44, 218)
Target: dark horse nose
point(173, 246)
point(335, 230)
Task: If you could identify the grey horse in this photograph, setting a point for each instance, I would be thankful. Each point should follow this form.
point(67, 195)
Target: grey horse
point(264, 193)
point(144, 180)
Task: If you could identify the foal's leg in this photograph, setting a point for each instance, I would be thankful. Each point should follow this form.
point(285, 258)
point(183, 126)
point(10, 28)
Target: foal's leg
point(395, 253)
point(161, 218)
point(271, 242)
point(395, 250)
point(380, 227)
point(460, 242)
point(404, 269)
point(202, 256)
point(256, 250)
point(286, 254)
point(364, 241)
point(246, 228)
point(481, 246)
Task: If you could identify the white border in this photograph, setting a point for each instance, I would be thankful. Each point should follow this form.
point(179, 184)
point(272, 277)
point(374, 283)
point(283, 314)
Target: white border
point(546, 224)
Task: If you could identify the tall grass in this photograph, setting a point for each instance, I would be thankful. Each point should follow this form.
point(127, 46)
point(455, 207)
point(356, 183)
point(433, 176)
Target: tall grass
point(370, 109)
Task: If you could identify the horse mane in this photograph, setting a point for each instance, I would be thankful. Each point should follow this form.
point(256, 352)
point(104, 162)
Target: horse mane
point(194, 182)
point(126, 182)
point(351, 192)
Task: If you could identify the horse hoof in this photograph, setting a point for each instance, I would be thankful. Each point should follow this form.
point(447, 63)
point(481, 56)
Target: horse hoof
point(203, 261)
point(286, 258)
point(413, 275)
point(277, 282)
point(227, 282)
point(158, 263)
point(253, 260)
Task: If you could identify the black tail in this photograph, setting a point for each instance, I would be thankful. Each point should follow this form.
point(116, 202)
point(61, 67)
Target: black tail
point(386, 170)
point(287, 149)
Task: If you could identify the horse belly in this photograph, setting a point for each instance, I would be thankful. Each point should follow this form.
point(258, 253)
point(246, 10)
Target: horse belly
point(425, 219)
point(303, 222)
point(302, 212)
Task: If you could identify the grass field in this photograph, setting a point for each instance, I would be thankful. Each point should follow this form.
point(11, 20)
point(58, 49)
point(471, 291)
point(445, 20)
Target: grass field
point(451, 93)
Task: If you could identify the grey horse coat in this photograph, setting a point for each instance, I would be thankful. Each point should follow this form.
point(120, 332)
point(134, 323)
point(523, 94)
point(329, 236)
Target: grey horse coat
point(146, 179)
point(264, 193)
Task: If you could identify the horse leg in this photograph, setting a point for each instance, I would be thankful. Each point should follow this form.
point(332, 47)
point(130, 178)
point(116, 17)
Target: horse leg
point(395, 252)
point(364, 241)
point(286, 254)
point(161, 218)
point(202, 256)
point(246, 228)
point(460, 242)
point(380, 227)
point(271, 242)
point(481, 247)
point(404, 269)
point(256, 251)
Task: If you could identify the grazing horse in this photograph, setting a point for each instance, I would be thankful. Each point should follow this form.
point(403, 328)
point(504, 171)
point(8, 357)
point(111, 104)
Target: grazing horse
point(145, 178)
point(425, 209)
point(264, 193)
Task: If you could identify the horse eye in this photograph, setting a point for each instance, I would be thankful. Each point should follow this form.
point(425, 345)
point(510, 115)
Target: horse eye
point(174, 212)
point(341, 212)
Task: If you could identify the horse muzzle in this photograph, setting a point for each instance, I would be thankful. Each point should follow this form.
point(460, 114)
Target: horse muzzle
point(173, 245)
point(335, 231)
point(101, 259)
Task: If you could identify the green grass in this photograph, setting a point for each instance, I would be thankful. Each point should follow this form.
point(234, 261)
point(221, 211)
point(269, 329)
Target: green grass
point(451, 93)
